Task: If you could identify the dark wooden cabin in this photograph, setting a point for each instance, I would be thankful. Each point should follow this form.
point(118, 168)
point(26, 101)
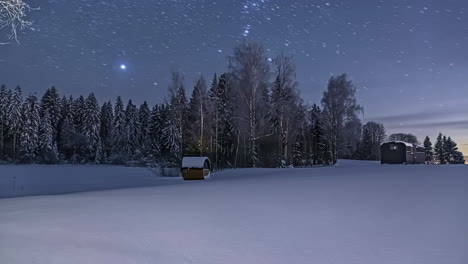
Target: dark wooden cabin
point(399, 152)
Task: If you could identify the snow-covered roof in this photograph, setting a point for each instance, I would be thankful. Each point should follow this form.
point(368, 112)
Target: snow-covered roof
point(194, 162)
point(399, 142)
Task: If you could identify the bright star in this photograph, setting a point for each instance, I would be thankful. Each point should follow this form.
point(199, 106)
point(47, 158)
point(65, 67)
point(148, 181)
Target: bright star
point(123, 67)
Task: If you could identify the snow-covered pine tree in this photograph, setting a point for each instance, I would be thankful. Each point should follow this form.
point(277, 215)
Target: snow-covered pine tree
point(175, 131)
point(198, 118)
point(80, 142)
point(132, 130)
point(29, 137)
point(78, 112)
point(299, 156)
point(15, 118)
point(66, 108)
point(69, 138)
point(155, 132)
point(99, 153)
point(428, 150)
point(144, 114)
point(4, 101)
point(227, 111)
point(107, 121)
point(51, 102)
point(47, 145)
point(118, 132)
point(92, 125)
point(317, 135)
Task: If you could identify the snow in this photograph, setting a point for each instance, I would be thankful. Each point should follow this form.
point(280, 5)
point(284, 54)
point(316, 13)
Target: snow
point(39, 180)
point(193, 162)
point(400, 142)
point(353, 213)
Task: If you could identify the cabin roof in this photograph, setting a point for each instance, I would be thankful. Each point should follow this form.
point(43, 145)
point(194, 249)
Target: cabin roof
point(399, 142)
point(194, 162)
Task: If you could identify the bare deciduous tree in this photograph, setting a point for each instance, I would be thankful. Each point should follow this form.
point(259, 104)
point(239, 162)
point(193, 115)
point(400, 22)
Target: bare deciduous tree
point(340, 107)
point(284, 102)
point(13, 15)
point(250, 67)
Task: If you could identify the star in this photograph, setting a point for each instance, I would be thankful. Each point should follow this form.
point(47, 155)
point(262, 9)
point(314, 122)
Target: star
point(123, 66)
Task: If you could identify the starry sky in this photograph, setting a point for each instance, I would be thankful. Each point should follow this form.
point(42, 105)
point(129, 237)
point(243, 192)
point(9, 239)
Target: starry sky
point(408, 58)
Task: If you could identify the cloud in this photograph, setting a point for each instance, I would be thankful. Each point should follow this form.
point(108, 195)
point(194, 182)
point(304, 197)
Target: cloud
point(425, 120)
point(446, 125)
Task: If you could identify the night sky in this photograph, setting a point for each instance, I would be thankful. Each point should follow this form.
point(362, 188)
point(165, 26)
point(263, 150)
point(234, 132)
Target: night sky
point(409, 59)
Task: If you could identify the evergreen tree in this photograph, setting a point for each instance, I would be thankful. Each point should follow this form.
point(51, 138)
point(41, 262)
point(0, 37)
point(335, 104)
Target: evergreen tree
point(51, 103)
point(66, 108)
point(78, 112)
point(99, 153)
point(15, 118)
point(445, 151)
point(224, 105)
point(107, 120)
point(198, 118)
point(4, 101)
point(144, 114)
point(81, 148)
point(299, 156)
point(317, 136)
point(92, 125)
point(119, 130)
point(428, 150)
point(132, 129)
point(175, 131)
point(29, 137)
point(451, 151)
point(48, 147)
point(69, 138)
point(156, 125)
point(439, 149)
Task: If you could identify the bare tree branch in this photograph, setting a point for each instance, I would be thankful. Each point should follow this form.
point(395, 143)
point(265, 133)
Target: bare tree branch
point(13, 15)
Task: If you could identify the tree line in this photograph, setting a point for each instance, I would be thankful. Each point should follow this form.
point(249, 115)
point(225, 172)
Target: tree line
point(250, 116)
point(445, 151)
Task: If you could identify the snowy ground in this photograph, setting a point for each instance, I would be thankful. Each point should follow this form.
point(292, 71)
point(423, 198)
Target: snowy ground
point(39, 180)
point(356, 212)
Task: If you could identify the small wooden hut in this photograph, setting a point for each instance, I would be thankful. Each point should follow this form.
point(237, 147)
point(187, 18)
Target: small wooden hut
point(399, 152)
point(196, 168)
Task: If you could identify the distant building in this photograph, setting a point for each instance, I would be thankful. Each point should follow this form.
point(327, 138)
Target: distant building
point(399, 152)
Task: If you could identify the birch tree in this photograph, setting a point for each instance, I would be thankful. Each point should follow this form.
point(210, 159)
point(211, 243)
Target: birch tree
point(283, 104)
point(250, 67)
point(339, 107)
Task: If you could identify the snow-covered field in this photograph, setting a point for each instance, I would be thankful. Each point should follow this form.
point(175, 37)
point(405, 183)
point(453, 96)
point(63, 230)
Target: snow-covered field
point(39, 180)
point(356, 212)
